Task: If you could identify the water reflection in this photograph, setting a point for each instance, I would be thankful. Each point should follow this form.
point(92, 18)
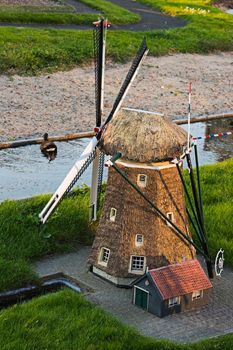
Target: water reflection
point(50, 155)
point(216, 149)
point(220, 146)
point(24, 172)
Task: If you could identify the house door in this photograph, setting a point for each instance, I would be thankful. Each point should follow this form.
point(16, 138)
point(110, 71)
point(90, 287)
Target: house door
point(141, 298)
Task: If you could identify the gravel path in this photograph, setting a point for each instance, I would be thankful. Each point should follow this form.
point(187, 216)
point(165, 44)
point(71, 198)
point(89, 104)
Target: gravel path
point(64, 102)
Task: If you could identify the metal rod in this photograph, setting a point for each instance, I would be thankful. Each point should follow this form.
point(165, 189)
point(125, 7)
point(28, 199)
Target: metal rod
point(202, 232)
point(194, 226)
point(195, 195)
point(158, 211)
point(199, 183)
point(189, 199)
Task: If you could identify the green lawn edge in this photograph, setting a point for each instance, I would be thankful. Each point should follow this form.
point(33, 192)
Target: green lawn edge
point(19, 14)
point(28, 51)
point(66, 320)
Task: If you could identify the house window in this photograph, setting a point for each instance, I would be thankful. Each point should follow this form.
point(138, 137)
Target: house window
point(139, 240)
point(173, 301)
point(170, 216)
point(113, 213)
point(142, 180)
point(137, 263)
point(197, 294)
point(104, 256)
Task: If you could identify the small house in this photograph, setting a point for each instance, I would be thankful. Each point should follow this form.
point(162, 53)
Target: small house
point(172, 289)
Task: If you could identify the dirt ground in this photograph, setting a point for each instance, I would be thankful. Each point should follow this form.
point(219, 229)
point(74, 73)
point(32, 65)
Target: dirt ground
point(64, 102)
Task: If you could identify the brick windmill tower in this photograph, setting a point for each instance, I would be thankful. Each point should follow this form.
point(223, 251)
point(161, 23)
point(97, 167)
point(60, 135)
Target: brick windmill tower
point(131, 237)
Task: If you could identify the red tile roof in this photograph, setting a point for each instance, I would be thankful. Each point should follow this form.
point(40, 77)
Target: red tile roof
point(179, 279)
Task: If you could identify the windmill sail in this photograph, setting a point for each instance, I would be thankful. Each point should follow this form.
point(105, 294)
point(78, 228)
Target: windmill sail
point(100, 32)
point(97, 169)
point(71, 178)
point(90, 151)
point(140, 56)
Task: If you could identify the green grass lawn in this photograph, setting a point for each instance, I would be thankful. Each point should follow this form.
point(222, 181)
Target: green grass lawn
point(65, 320)
point(34, 51)
point(22, 239)
point(66, 14)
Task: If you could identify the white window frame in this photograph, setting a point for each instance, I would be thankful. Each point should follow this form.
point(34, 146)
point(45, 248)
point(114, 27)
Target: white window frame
point(112, 215)
point(139, 244)
point(173, 301)
point(197, 294)
point(140, 182)
point(101, 260)
point(170, 213)
point(137, 271)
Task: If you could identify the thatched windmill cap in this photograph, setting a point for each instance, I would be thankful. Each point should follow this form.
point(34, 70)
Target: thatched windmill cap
point(143, 137)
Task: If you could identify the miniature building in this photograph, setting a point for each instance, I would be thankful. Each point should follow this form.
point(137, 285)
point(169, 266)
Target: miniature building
point(172, 289)
point(131, 236)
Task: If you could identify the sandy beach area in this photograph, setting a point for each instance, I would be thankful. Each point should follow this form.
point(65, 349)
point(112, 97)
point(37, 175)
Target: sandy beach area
point(65, 101)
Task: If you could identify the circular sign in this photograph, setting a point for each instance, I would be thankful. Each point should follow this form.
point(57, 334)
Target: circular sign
point(219, 262)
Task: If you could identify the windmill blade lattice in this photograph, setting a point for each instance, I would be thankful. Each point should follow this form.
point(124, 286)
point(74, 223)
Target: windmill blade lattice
point(141, 54)
point(71, 178)
point(99, 36)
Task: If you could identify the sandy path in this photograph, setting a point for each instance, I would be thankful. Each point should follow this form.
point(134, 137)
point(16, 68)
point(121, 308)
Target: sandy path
point(64, 102)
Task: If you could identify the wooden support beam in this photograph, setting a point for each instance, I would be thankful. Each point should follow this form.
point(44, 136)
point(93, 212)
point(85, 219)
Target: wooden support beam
point(204, 118)
point(67, 137)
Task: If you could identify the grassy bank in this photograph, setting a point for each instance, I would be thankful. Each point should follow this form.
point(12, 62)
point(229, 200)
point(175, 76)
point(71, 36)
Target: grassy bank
point(216, 182)
point(65, 320)
point(33, 51)
point(22, 239)
point(67, 14)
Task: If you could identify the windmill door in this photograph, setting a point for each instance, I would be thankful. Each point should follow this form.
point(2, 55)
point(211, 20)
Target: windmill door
point(141, 297)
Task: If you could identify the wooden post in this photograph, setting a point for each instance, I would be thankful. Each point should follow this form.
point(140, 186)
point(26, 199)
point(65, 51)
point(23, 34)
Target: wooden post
point(67, 137)
point(203, 118)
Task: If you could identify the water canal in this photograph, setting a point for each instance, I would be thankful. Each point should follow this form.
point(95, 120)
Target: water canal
point(24, 172)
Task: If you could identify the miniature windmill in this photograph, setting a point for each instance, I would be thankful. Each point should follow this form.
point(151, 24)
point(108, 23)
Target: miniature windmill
point(144, 221)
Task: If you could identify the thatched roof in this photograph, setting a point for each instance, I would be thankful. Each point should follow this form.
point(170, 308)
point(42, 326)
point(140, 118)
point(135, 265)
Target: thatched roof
point(143, 137)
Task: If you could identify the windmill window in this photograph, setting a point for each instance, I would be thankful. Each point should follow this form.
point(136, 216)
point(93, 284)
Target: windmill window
point(170, 216)
point(197, 294)
point(142, 180)
point(173, 301)
point(113, 213)
point(139, 240)
point(137, 263)
point(104, 256)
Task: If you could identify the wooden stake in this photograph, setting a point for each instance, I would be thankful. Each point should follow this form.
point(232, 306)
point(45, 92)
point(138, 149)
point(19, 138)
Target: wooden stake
point(203, 118)
point(67, 137)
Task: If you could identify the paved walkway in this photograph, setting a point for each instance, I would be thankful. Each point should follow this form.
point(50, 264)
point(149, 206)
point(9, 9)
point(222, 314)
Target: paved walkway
point(150, 19)
point(213, 320)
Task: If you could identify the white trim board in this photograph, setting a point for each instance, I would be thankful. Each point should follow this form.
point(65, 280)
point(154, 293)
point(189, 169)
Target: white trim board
point(142, 111)
point(145, 166)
